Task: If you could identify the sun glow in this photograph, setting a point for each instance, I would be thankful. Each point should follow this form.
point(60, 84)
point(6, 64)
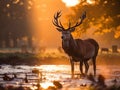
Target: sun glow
point(45, 85)
point(91, 1)
point(70, 3)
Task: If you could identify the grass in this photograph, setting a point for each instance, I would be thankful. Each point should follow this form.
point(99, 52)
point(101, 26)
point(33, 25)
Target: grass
point(53, 58)
point(109, 59)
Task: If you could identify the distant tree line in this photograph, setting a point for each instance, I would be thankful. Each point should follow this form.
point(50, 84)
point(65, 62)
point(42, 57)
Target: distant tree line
point(13, 22)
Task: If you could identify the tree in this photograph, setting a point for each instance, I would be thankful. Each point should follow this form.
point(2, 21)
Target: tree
point(13, 21)
point(104, 16)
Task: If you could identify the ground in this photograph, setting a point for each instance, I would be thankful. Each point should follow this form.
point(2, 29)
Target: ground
point(56, 66)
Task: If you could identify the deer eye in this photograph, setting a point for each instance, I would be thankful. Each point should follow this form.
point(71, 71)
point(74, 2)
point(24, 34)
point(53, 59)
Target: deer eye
point(62, 37)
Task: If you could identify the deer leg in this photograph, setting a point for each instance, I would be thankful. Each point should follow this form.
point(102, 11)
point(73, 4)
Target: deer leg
point(86, 67)
point(94, 65)
point(72, 67)
point(81, 67)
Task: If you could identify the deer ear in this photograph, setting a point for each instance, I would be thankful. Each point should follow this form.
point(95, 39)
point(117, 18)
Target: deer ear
point(72, 29)
point(60, 30)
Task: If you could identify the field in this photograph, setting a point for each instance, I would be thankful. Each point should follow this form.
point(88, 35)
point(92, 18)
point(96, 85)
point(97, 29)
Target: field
point(52, 57)
point(55, 68)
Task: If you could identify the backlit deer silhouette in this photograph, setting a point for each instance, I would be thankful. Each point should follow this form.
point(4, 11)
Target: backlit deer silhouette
point(78, 50)
point(104, 50)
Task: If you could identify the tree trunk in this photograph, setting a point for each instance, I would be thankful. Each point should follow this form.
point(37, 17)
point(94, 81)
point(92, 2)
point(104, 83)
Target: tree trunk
point(30, 42)
point(14, 42)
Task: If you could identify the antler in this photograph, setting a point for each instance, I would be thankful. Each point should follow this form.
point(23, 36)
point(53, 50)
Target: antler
point(57, 22)
point(78, 23)
point(59, 25)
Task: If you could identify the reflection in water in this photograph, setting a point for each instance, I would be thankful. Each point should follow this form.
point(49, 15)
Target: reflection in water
point(49, 74)
point(46, 84)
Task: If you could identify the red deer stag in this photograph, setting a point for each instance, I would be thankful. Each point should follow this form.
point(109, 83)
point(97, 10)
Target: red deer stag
point(78, 50)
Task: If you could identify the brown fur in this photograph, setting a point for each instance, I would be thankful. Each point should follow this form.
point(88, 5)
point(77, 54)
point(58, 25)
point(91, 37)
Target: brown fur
point(78, 50)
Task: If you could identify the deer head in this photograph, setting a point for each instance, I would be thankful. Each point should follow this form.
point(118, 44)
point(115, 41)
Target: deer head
point(66, 33)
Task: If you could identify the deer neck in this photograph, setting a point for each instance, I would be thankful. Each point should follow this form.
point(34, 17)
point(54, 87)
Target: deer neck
point(73, 43)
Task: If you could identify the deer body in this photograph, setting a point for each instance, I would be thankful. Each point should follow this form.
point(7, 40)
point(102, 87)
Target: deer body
point(78, 50)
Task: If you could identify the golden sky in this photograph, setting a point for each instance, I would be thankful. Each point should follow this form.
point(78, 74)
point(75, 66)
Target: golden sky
point(41, 20)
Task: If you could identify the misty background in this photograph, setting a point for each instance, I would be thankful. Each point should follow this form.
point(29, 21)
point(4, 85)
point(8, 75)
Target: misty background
point(30, 22)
